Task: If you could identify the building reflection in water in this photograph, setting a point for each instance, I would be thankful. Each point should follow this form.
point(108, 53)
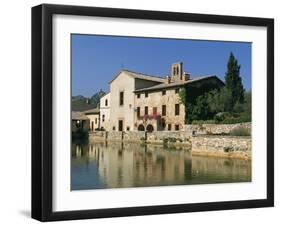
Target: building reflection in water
point(119, 165)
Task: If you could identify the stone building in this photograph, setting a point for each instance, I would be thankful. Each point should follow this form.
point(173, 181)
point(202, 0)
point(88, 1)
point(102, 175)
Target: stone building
point(105, 112)
point(122, 98)
point(144, 102)
point(80, 122)
point(94, 117)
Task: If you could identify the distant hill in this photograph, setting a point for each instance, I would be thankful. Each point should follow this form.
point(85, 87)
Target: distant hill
point(78, 97)
point(95, 99)
point(81, 103)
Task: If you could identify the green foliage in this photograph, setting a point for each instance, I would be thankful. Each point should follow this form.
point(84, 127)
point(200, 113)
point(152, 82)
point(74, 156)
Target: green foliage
point(240, 131)
point(201, 122)
point(233, 81)
point(221, 116)
point(201, 109)
point(229, 104)
point(182, 95)
point(233, 120)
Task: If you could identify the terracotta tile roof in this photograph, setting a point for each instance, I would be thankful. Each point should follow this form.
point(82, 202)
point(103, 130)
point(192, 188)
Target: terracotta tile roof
point(141, 76)
point(92, 111)
point(177, 84)
point(76, 115)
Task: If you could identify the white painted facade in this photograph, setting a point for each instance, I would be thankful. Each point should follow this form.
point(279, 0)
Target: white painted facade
point(105, 112)
point(122, 114)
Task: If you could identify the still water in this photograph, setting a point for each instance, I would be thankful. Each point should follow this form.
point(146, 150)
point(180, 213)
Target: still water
point(120, 165)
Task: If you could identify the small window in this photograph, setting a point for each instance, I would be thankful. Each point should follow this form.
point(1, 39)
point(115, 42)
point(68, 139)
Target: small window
point(169, 126)
point(138, 111)
point(163, 92)
point(177, 90)
point(155, 110)
point(106, 102)
point(163, 110)
point(128, 128)
point(146, 94)
point(96, 121)
point(138, 95)
point(146, 110)
point(113, 128)
point(121, 98)
point(177, 109)
point(103, 116)
point(177, 127)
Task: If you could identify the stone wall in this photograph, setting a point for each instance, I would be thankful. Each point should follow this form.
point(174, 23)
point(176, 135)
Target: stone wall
point(134, 136)
point(208, 145)
point(214, 129)
point(104, 135)
point(160, 136)
point(157, 99)
point(97, 135)
point(225, 145)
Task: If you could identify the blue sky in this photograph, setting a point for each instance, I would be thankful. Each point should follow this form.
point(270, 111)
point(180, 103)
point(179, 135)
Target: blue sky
point(96, 59)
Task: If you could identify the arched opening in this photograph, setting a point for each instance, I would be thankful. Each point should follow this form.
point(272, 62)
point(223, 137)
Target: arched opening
point(141, 127)
point(149, 128)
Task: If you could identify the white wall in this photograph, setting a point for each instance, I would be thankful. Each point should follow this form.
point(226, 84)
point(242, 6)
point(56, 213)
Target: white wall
point(105, 110)
point(123, 83)
point(15, 97)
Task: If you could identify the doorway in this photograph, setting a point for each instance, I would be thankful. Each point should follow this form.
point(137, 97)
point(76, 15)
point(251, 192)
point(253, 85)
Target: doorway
point(120, 125)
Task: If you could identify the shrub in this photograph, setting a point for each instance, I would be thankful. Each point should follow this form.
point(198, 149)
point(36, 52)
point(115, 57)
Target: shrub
point(221, 116)
point(200, 122)
point(240, 131)
point(228, 149)
point(233, 120)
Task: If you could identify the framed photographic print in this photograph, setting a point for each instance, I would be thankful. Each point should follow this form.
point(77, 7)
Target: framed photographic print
point(146, 112)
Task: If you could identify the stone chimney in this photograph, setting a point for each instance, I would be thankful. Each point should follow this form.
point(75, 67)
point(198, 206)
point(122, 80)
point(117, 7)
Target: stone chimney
point(186, 76)
point(168, 79)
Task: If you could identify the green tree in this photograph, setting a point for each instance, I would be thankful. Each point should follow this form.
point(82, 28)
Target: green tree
point(201, 110)
point(233, 82)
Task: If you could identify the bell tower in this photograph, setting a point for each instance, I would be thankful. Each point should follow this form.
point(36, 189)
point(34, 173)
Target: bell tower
point(177, 71)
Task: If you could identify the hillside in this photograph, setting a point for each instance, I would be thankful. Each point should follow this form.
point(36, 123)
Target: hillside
point(81, 103)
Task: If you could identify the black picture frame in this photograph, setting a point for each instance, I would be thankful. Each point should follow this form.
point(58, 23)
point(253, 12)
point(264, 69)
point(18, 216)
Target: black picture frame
point(42, 111)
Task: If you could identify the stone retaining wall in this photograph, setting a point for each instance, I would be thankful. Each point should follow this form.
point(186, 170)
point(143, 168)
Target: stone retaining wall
point(134, 136)
point(225, 145)
point(212, 145)
point(215, 128)
point(167, 136)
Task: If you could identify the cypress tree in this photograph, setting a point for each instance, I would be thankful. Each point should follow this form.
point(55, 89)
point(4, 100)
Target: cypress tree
point(233, 81)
